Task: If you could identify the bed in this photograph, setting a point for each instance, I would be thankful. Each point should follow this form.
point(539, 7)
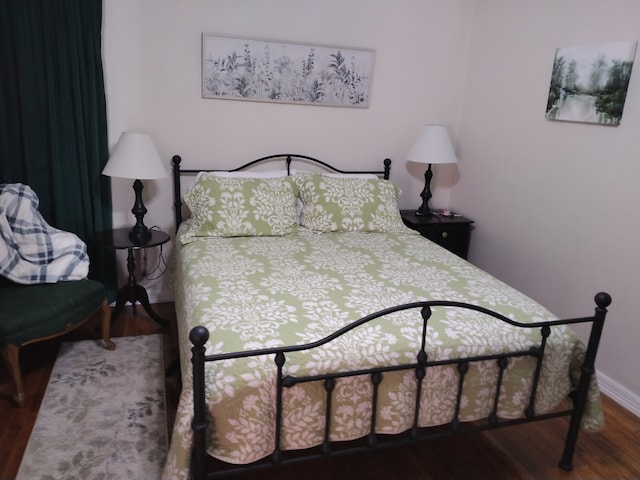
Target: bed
point(312, 323)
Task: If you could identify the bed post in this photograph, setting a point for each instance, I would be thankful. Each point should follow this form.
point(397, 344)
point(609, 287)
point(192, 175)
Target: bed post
point(177, 202)
point(603, 300)
point(199, 336)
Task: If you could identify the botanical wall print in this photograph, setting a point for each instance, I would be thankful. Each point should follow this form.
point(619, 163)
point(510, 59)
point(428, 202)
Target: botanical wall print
point(243, 69)
point(589, 84)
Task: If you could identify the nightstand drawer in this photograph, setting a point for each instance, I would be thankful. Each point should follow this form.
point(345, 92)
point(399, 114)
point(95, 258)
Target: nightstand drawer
point(452, 233)
point(448, 233)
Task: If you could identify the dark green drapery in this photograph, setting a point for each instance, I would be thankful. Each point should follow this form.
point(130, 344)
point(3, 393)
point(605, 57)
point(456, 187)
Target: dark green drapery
point(53, 120)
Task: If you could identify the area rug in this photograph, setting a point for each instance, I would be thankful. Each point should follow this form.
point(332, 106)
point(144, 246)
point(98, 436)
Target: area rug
point(103, 414)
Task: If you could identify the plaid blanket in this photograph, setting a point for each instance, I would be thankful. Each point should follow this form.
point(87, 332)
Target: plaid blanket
point(31, 251)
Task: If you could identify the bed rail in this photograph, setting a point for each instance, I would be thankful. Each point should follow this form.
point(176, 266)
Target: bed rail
point(200, 335)
point(287, 158)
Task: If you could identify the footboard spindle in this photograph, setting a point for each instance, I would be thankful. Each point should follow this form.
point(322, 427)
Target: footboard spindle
point(421, 370)
point(277, 452)
point(503, 363)
point(463, 368)
point(329, 386)
point(376, 380)
point(539, 353)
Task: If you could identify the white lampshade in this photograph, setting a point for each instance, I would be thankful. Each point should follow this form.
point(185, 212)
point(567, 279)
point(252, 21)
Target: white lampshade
point(135, 156)
point(432, 146)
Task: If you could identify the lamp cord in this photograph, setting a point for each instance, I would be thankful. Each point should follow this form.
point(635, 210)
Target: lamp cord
point(160, 266)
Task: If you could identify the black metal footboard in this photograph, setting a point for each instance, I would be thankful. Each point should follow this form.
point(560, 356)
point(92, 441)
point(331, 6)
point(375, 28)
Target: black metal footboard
point(200, 335)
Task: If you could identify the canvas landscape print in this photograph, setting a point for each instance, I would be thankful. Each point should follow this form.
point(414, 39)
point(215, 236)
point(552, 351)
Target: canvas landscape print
point(241, 69)
point(589, 84)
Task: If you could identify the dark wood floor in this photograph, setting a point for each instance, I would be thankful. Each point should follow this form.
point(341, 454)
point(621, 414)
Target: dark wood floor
point(523, 452)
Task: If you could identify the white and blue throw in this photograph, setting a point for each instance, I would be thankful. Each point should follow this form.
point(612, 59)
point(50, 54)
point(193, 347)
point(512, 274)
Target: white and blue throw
point(31, 251)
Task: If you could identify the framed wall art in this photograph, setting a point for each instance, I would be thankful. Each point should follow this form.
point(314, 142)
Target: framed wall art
point(589, 84)
point(266, 71)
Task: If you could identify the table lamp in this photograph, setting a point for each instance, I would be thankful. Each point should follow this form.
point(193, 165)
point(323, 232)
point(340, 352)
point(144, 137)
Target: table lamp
point(135, 156)
point(432, 146)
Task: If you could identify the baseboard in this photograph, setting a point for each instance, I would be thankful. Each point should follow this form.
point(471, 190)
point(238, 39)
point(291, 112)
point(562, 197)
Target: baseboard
point(158, 290)
point(160, 297)
point(619, 394)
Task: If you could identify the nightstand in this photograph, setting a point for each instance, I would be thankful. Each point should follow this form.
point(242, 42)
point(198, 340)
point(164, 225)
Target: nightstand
point(132, 292)
point(453, 233)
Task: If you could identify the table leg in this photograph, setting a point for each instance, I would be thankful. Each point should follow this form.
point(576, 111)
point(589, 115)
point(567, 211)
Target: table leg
point(132, 293)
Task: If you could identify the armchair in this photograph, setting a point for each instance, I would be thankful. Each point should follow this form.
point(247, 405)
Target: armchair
point(39, 312)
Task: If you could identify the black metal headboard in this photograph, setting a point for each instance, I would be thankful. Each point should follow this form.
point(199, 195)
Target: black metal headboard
point(288, 158)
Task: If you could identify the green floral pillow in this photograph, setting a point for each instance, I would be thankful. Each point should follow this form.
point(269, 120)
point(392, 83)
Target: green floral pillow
point(240, 207)
point(350, 204)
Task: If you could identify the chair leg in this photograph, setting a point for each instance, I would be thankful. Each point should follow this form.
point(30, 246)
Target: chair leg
point(106, 325)
point(11, 355)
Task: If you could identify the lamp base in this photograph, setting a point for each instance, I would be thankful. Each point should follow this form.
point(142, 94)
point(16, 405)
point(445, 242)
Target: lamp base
point(424, 210)
point(424, 213)
point(139, 236)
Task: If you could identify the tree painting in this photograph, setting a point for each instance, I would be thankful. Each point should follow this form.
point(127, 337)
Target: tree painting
point(242, 69)
point(589, 84)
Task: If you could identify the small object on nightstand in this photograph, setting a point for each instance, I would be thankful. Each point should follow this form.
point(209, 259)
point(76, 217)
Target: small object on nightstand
point(132, 292)
point(452, 231)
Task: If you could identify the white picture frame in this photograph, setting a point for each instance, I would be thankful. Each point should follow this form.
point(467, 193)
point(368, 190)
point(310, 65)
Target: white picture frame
point(268, 71)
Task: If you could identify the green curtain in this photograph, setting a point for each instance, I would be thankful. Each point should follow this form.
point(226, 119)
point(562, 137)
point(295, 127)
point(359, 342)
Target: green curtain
point(53, 120)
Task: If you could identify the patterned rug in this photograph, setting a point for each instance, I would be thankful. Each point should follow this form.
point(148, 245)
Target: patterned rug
point(102, 416)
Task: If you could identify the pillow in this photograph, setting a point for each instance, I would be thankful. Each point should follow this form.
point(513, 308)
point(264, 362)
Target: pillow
point(250, 174)
point(238, 207)
point(301, 176)
point(371, 176)
point(350, 204)
point(240, 174)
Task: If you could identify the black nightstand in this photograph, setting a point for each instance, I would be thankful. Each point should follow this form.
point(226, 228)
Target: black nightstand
point(132, 292)
point(453, 233)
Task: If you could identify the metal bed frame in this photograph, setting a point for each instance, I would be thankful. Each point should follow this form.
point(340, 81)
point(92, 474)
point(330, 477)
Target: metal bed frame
point(199, 336)
point(287, 158)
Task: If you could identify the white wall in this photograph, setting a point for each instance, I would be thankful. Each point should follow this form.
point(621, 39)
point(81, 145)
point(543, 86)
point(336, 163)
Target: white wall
point(152, 68)
point(550, 200)
point(554, 204)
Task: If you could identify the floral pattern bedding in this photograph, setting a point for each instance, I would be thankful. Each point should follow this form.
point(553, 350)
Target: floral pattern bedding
point(256, 292)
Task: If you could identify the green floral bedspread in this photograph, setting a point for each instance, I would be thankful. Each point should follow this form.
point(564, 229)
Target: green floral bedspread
point(256, 292)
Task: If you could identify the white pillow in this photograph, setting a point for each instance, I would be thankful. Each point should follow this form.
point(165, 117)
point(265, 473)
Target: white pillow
point(243, 174)
point(366, 176)
point(250, 174)
point(336, 174)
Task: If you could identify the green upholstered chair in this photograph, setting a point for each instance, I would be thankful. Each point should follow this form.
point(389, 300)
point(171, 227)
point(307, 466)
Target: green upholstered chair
point(33, 313)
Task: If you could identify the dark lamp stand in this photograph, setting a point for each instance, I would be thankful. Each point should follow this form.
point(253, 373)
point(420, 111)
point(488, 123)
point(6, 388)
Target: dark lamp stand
point(424, 209)
point(139, 234)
